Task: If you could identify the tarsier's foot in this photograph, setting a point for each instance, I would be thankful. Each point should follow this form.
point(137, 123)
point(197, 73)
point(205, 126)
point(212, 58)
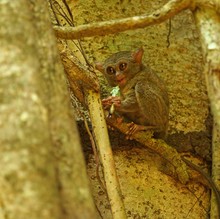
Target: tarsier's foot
point(133, 128)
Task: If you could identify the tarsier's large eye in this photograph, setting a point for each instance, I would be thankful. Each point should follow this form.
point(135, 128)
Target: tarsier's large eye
point(122, 66)
point(110, 70)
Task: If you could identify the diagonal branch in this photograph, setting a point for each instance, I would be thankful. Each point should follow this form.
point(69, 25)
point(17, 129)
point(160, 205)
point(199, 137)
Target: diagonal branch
point(170, 9)
point(181, 170)
point(157, 145)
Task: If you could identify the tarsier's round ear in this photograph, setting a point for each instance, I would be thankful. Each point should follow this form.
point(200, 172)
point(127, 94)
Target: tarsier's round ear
point(137, 55)
point(99, 66)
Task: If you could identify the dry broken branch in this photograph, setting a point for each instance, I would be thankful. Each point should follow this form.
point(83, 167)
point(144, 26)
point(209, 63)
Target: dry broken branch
point(170, 9)
point(77, 72)
point(79, 76)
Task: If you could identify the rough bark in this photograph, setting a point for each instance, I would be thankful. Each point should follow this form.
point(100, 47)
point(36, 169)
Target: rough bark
point(43, 174)
point(215, 171)
point(27, 186)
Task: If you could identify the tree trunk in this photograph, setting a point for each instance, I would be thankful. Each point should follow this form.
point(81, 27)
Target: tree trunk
point(208, 22)
point(43, 173)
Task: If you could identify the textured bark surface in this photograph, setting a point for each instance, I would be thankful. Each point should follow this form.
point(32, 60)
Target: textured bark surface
point(29, 190)
point(43, 173)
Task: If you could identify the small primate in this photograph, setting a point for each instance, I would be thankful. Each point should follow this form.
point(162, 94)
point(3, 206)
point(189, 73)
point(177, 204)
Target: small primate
point(143, 95)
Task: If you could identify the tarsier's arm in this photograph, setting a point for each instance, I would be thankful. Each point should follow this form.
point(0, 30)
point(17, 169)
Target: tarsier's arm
point(129, 104)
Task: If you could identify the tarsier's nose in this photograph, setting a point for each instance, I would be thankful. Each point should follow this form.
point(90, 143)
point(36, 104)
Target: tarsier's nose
point(117, 73)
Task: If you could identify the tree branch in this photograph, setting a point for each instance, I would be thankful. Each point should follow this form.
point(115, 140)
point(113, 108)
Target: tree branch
point(157, 145)
point(181, 171)
point(170, 9)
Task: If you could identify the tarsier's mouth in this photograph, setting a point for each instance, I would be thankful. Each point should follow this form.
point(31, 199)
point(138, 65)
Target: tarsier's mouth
point(121, 80)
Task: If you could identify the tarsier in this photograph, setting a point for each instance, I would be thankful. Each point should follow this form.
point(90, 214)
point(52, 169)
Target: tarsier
point(143, 95)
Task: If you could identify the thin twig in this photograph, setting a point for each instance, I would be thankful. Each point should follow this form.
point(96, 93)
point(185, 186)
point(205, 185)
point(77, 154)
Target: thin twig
point(95, 154)
point(197, 200)
point(169, 32)
point(209, 180)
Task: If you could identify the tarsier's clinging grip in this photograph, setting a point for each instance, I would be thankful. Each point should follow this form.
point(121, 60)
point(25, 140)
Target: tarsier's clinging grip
point(143, 95)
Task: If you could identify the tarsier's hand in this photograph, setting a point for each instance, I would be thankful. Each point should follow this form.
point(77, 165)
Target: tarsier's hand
point(107, 102)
